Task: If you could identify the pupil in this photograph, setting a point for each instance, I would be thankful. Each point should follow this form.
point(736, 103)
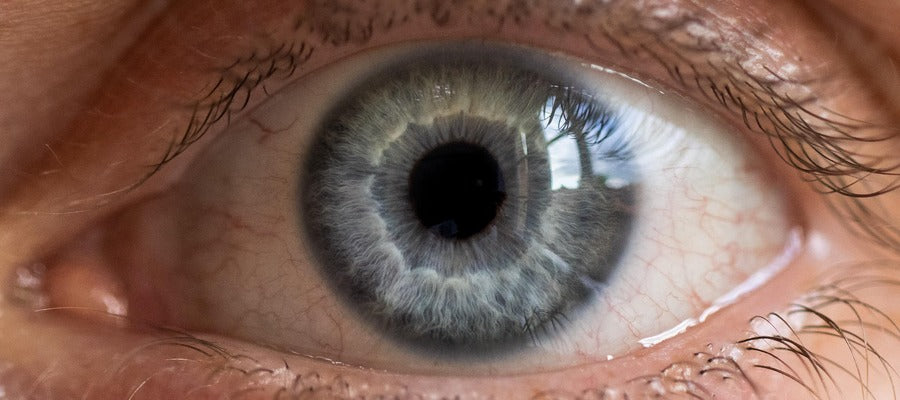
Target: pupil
point(456, 189)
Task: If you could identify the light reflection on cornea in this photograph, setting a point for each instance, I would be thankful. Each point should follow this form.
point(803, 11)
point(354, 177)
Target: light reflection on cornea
point(760, 277)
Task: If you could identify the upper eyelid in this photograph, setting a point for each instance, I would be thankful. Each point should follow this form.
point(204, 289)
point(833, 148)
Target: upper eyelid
point(759, 98)
point(164, 84)
point(805, 138)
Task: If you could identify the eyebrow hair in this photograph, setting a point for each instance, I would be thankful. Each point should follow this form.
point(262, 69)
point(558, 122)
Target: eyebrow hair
point(682, 43)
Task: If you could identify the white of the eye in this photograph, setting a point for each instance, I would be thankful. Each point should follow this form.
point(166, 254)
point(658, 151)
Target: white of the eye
point(710, 227)
point(261, 289)
point(752, 283)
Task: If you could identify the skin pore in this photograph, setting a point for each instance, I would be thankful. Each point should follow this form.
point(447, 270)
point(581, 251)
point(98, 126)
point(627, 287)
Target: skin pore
point(103, 92)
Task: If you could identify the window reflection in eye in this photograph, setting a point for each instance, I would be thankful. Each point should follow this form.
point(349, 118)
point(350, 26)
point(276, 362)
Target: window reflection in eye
point(300, 226)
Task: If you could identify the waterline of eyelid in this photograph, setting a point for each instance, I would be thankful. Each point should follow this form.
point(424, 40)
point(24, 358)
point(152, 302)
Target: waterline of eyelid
point(757, 279)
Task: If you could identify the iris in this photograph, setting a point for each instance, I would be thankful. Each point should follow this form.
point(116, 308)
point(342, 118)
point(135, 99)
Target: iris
point(467, 202)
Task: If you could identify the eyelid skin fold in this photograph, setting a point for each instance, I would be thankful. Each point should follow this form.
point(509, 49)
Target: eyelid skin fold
point(204, 55)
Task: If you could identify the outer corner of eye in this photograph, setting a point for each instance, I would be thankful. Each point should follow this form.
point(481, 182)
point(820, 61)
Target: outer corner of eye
point(457, 204)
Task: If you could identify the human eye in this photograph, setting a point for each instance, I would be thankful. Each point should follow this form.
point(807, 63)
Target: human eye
point(207, 190)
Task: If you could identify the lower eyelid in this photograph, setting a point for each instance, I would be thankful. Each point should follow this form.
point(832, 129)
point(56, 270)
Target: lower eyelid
point(158, 363)
point(166, 363)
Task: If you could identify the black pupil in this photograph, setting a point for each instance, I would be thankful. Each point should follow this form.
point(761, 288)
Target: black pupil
point(456, 189)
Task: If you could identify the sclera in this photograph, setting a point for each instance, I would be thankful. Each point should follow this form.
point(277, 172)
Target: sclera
point(241, 267)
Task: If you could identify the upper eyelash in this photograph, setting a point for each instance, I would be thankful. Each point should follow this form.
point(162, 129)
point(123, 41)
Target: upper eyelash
point(801, 137)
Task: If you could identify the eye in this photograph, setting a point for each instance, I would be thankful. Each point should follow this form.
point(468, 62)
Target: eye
point(507, 206)
point(457, 204)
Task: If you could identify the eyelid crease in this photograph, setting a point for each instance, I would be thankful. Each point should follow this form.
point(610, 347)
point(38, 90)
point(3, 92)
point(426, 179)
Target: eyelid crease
point(818, 142)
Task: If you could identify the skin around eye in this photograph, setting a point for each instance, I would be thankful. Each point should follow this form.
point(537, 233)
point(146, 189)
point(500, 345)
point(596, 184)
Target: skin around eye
point(67, 339)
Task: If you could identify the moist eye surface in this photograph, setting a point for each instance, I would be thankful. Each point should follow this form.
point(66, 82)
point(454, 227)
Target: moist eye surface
point(468, 201)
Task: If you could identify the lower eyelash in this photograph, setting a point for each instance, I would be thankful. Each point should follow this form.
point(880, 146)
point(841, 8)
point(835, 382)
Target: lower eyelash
point(819, 372)
point(777, 347)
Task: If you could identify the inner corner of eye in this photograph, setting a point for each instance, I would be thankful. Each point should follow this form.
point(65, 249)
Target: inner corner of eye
point(77, 278)
point(474, 203)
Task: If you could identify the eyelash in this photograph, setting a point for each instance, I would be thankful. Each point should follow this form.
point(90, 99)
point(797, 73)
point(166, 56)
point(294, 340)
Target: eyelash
point(801, 137)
